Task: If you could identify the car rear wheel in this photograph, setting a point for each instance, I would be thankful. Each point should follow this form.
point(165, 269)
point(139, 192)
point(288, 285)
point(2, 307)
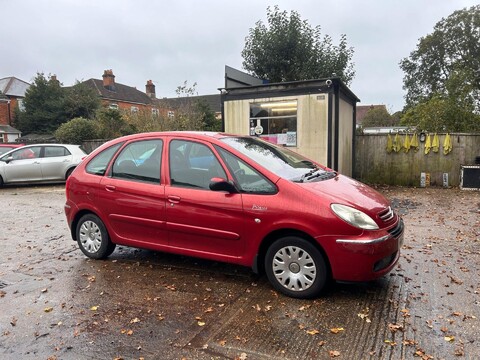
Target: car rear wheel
point(69, 172)
point(92, 237)
point(296, 267)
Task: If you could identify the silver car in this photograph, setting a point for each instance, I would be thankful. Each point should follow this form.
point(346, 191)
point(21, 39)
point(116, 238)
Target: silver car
point(39, 163)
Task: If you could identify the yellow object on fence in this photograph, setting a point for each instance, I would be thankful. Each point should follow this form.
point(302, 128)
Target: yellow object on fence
point(389, 144)
point(428, 144)
point(397, 144)
point(447, 144)
point(435, 143)
point(414, 142)
point(406, 144)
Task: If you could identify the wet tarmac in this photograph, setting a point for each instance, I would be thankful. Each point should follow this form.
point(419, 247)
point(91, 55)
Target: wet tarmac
point(57, 304)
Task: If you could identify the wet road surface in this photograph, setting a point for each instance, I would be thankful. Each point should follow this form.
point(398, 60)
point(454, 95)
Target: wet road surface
point(57, 304)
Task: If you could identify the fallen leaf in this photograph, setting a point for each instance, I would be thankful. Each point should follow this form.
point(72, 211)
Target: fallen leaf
point(94, 308)
point(334, 353)
point(395, 327)
point(336, 330)
point(313, 332)
point(48, 309)
point(222, 342)
point(449, 338)
point(133, 321)
point(201, 323)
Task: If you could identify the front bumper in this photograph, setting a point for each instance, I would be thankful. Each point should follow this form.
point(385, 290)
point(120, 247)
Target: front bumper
point(367, 258)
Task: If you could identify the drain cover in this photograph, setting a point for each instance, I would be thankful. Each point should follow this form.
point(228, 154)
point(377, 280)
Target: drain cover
point(2, 284)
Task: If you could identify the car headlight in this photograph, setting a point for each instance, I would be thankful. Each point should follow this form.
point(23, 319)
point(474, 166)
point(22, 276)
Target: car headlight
point(354, 217)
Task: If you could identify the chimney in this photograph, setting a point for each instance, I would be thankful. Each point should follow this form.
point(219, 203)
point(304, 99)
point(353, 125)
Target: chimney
point(109, 80)
point(53, 79)
point(150, 89)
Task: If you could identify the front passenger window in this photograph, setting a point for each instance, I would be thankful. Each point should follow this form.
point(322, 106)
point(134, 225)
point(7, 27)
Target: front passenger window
point(247, 178)
point(139, 161)
point(193, 165)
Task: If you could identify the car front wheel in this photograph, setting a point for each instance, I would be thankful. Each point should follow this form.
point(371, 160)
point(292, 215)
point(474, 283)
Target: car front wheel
point(296, 267)
point(92, 237)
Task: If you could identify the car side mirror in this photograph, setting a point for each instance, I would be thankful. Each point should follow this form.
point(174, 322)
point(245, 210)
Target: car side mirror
point(219, 184)
point(7, 159)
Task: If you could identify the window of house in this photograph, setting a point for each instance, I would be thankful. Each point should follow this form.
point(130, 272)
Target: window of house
point(171, 114)
point(21, 106)
point(155, 112)
point(275, 121)
point(134, 109)
point(113, 106)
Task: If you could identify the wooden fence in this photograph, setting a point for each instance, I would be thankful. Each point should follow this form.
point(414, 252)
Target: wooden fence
point(375, 165)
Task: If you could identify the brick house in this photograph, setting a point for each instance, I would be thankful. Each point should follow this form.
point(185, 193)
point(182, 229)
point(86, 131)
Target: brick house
point(12, 91)
point(123, 97)
point(362, 111)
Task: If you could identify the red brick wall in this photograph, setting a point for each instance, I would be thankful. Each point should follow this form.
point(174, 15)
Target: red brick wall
point(4, 113)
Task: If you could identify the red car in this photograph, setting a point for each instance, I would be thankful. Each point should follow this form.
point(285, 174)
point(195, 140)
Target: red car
point(4, 147)
point(234, 199)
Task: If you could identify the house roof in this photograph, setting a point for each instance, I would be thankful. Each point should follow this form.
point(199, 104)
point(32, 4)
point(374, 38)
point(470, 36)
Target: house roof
point(11, 86)
point(120, 92)
point(7, 129)
point(363, 109)
point(214, 101)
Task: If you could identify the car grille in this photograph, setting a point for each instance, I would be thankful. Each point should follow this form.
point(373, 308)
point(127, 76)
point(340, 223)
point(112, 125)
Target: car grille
point(386, 215)
point(397, 230)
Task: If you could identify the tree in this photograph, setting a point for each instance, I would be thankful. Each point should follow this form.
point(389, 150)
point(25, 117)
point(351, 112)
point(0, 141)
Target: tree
point(81, 101)
point(111, 124)
point(289, 49)
point(76, 131)
point(444, 70)
point(44, 106)
point(377, 116)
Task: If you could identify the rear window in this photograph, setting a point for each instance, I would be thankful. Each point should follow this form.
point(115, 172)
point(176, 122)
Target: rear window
point(98, 165)
point(54, 151)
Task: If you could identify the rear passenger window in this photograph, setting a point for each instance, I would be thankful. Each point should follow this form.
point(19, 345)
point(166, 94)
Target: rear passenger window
point(139, 161)
point(55, 151)
point(98, 165)
point(193, 165)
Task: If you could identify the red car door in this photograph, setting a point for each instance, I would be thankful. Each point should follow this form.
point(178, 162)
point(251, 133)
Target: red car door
point(133, 197)
point(200, 220)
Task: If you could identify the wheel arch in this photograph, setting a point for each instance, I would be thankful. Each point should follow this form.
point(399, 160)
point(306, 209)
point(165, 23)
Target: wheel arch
point(69, 172)
point(258, 265)
point(78, 216)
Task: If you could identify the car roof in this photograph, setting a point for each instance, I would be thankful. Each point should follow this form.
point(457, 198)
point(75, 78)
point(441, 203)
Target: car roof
point(205, 135)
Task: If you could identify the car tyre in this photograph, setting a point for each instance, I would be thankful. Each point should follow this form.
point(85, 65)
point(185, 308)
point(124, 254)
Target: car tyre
point(92, 237)
point(68, 173)
point(296, 268)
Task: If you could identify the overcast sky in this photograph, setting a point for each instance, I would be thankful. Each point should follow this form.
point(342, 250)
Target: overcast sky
point(173, 41)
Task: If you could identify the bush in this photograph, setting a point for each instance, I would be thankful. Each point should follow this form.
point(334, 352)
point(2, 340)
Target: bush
point(76, 131)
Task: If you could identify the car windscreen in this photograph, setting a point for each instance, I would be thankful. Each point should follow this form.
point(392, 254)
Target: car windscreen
point(279, 160)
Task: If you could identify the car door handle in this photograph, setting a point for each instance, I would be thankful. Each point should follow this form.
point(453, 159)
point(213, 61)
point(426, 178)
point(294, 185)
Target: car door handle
point(110, 188)
point(174, 199)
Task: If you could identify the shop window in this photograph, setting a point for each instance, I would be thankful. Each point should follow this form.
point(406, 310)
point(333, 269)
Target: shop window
point(275, 121)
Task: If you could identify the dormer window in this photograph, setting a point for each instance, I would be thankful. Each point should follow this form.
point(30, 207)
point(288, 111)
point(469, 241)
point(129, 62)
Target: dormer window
point(113, 106)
